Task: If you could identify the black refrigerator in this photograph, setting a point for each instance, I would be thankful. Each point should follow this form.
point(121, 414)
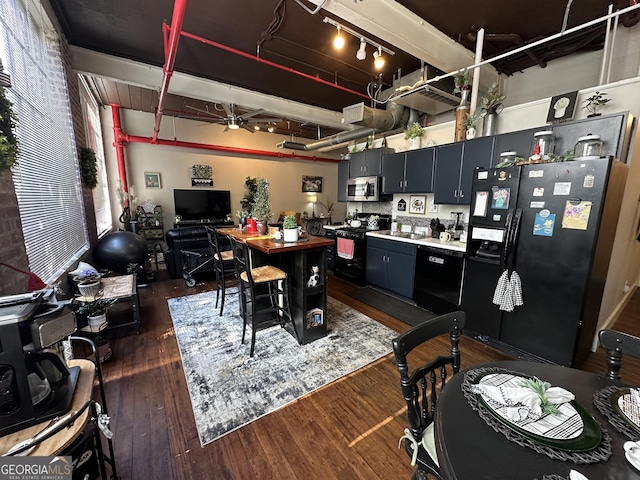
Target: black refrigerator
point(554, 224)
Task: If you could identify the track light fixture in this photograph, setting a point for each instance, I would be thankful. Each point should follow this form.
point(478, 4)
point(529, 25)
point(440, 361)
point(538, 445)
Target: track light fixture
point(361, 54)
point(338, 41)
point(256, 127)
point(270, 128)
point(378, 59)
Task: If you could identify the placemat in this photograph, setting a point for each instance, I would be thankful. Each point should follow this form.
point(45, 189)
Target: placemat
point(602, 401)
point(600, 453)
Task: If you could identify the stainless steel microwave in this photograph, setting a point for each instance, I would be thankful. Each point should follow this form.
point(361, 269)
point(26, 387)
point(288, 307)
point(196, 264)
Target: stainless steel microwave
point(363, 189)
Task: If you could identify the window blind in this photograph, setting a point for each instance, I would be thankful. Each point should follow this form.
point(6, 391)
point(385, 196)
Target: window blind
point(47, 177)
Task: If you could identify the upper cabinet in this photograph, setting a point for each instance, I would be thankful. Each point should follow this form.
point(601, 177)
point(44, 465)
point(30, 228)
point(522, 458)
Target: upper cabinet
point(367, 163)
point(408, 172)
point(455, 164)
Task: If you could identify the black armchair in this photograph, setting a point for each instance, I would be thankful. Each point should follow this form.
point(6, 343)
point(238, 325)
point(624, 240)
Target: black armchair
point(192, 239)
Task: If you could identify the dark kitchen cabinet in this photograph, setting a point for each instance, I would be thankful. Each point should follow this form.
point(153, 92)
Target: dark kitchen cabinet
point(408, 172)
point(367, 163)
point(455, 164)
point(343, 176)
point(331, 249)
point(391, 265)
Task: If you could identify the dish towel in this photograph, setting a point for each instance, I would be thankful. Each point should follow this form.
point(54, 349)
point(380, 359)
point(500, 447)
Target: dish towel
point(508, 292)
point(346, 248)
point(519, 403)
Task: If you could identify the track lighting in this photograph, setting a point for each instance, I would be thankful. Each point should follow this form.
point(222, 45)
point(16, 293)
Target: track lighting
point(270, 128)
point(338, 41)
point(361, 54)
point(378, 59)
point(256, 127)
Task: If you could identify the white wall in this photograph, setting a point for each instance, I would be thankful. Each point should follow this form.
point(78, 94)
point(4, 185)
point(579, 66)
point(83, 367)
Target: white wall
point(229, 170)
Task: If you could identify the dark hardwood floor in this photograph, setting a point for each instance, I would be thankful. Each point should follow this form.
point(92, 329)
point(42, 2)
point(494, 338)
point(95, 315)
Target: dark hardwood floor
point(346, 430)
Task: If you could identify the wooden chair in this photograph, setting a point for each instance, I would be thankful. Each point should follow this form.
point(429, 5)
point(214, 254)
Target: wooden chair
point(420, 386)
point(616, 344)
point(264, 294)
point(222, 264)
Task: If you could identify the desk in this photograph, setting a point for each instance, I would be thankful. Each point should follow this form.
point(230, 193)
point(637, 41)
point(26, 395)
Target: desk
point(295, 258)
point(469, 449)
point(61, 440)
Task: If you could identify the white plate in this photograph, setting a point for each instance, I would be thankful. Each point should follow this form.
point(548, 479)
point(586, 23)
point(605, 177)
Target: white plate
point(633, 460)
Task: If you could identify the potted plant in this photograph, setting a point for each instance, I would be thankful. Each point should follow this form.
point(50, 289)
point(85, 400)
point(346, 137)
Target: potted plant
point(290, 228)
point(414, 133)
point(250, 185)
point(470, 122)
point(261, 210)
point(490, 103)
point(88, 168)
point(96, 313)
point(595, 102)
point(462, 81)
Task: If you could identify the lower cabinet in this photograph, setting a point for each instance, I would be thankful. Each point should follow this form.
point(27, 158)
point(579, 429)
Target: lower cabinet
point(391, 265)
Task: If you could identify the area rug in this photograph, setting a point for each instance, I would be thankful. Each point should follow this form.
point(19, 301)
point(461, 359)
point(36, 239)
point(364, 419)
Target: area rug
point(403, 311)
point(229, 389)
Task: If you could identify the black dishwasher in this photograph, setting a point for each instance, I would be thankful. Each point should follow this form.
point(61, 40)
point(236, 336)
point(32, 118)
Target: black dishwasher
point(438, 279)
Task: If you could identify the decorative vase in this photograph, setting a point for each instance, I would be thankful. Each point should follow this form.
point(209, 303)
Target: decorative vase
point(414, 143)
point(461, 113)
point(489, 125)
point(290, 234)
point(261, 227)
point(471, 133)
point(89, 288)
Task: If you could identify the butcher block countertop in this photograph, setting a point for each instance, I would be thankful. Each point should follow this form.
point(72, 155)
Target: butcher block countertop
point(267, 244)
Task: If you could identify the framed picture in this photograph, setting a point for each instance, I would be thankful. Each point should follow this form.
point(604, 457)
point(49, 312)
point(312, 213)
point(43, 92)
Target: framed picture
point(417, 203)
point(562, 107)
point(152, 180)
point(311, 184)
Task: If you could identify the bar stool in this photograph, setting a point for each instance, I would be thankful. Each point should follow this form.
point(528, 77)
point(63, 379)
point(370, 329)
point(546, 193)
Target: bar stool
point(222, 264)
point(264, 294)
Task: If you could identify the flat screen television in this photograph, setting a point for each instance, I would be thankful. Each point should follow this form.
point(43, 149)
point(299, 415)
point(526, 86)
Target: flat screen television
point(202, 204)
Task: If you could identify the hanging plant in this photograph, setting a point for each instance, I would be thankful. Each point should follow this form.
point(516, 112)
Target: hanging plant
point(8, 141)
point(88, 168)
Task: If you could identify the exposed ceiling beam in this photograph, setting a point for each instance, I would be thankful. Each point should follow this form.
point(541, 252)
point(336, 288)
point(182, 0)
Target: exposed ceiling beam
point(147, 76)
point(395, 24)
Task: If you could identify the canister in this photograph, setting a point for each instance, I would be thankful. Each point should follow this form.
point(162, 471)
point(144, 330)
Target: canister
point(507, 157)
point(543, 143)
point(589, 146)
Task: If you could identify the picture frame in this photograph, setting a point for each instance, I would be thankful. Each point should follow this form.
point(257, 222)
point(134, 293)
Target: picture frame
point(311, 184)
point(417, 203)
point(152, 180)
point(562, 107)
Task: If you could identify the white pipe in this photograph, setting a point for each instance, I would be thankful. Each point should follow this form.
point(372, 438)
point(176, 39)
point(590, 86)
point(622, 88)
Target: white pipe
point(605, 48)
point(613, 41)
point(476, 70)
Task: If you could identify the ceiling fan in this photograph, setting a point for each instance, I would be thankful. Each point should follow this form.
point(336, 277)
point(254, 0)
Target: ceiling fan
point(233, 120)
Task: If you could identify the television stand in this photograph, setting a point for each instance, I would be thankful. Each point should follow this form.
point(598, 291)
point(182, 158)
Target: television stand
point(212, 222)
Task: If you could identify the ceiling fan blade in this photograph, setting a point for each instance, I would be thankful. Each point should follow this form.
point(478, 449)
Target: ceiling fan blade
point(265, 120)
point(248, 128)
point(226, 129)
point(251, 114)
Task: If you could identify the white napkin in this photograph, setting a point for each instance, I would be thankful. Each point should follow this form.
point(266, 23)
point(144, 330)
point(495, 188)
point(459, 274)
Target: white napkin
point(520, 403)
point(575, 475)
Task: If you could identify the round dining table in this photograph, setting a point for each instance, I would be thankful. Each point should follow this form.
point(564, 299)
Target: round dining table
point(469, 449)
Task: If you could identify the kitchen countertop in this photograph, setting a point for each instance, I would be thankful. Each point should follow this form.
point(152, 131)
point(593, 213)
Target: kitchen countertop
point(335, 227)
point(420, 240)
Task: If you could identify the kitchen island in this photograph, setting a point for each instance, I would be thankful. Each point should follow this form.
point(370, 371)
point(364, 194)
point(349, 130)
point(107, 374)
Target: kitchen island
point(308, 303)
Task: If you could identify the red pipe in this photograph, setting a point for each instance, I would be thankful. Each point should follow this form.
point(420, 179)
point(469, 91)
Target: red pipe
point(270, 63)
point(119, 145)
point(179, 8)
point(122, 137)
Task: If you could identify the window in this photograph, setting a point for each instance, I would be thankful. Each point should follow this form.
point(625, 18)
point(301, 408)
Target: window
point(47, 177)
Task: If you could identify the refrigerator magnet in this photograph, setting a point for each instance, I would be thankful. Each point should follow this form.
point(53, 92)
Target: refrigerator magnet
point(588, 181)
point(544, 223)
point(536, 205)
point(538, 191)
point(576, 215)
point(562, 188)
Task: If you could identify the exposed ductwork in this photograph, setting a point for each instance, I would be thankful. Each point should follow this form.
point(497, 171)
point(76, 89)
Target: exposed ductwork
point(374, 120)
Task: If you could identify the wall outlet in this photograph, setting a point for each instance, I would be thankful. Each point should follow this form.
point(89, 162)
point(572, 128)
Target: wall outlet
point(432, 208)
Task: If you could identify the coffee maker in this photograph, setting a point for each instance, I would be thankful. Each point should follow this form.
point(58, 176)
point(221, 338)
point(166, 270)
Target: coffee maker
point(35, 383)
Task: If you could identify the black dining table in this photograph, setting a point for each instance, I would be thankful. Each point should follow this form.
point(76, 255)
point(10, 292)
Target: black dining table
point(469, 449)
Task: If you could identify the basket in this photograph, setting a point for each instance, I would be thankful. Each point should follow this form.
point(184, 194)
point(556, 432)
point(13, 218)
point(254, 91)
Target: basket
point(89, 289)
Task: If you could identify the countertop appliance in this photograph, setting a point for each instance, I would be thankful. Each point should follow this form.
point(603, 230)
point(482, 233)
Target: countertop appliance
point(351, 255)
point(365, 189)
point(554, 224)
point(35, 383)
